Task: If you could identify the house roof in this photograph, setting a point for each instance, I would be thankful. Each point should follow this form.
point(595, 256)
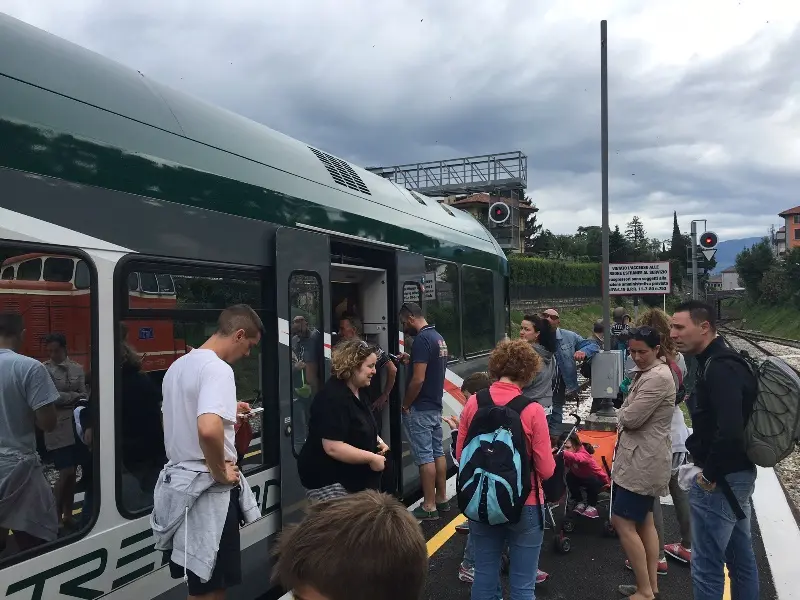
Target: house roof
point(730, 270)
point(791, 211)
point(483, 198)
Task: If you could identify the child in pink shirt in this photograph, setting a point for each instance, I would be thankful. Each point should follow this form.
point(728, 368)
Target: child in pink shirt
point(583, 472)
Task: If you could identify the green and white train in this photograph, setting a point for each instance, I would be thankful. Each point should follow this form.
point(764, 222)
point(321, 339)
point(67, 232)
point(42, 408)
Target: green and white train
point(170, 208)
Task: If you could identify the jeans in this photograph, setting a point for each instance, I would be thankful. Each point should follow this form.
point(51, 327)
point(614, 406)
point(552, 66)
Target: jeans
point(424, 434)
point(524, 542)
point(469, 553)
point(592, 485)
point(680, 500)
point(555, 418)
point(718, 539)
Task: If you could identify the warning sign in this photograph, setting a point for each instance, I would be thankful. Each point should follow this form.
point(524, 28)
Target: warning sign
point(636, 279)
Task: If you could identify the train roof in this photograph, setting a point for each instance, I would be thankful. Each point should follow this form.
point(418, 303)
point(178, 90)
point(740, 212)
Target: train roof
point(103, 103)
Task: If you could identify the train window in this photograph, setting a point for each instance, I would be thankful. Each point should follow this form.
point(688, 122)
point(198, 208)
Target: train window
point(58, 269)
point(149, 283)
point(60, 430)
point(477, 294)
point(82, 275)
point(30, 270)
point(187, 308)
point(7, 273)
point(307, 347)
point(441, 295)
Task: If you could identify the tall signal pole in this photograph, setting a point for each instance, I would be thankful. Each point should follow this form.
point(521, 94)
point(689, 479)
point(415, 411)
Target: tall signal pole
point(604, 160)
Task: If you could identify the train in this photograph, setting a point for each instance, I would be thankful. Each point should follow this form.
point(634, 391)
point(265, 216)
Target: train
point(132, 213)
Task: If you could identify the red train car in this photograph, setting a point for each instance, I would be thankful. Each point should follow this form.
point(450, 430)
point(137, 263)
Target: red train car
point(52, 293)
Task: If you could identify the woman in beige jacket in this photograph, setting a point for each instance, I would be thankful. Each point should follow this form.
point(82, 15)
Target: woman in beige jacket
point(642, 464)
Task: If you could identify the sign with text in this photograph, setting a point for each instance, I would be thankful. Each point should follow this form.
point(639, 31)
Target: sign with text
point(637, 279)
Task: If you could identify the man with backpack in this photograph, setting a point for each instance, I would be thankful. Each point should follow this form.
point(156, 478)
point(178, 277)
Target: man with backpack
point(720, 497)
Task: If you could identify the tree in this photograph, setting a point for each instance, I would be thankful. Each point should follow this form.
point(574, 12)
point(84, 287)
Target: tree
point(637, 236)
point(679, 243)
point(751, 265)
point(774, 286)
point(619, 248)
point(593, 237)
point(532, 234)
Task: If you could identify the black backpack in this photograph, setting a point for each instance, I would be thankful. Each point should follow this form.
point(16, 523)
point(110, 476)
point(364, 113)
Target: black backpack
point(494, 474)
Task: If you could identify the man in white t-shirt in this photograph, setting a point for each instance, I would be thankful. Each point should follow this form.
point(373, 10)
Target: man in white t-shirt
point(200, 411)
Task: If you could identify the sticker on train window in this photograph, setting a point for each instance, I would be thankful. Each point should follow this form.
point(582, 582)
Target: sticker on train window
point(412, 292)
point(146, 333)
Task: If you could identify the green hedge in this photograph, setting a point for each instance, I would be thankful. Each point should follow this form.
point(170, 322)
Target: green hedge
point(545, 272)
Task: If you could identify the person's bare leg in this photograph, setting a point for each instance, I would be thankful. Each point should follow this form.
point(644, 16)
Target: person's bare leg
point(441, 479)
point(427, 474)
point(635, 551)
point(649, 536)
point(658, 520)
point(67, 499)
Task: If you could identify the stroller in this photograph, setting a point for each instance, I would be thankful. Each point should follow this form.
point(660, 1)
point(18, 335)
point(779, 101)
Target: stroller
point(604, 444)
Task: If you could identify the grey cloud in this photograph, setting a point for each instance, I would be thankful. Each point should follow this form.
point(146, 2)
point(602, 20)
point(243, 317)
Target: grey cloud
point(383, 84)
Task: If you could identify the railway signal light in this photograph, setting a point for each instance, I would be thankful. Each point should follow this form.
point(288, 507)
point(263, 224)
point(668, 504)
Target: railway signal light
point(708, 240)
point(499, 212)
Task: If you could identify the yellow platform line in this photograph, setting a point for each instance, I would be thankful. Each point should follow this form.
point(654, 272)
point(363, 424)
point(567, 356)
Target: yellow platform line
point(444, 534)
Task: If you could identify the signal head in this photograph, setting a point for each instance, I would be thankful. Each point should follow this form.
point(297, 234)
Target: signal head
point(499, 212)
point(708, 239)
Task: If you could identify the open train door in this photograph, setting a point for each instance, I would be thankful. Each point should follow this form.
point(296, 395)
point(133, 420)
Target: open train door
point(410, 270)
point(302, 286)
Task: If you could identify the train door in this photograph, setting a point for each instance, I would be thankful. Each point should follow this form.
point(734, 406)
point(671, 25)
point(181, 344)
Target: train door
point(410, 269)
point(302, 274)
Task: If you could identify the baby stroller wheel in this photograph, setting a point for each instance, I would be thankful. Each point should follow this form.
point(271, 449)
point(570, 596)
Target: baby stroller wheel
point(568, 525)
point(562, 544)
point(608, 529)
point(505, 561)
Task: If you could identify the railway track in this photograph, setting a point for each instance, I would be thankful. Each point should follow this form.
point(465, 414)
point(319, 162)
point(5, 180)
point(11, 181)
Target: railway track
point(788, 470)
point(756, 336)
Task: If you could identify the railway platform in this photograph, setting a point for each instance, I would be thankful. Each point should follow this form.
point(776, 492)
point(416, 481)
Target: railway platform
point(595, 565)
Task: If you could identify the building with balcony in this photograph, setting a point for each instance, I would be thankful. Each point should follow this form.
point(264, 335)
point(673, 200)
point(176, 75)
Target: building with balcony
point(509, 235)
point(791, 219)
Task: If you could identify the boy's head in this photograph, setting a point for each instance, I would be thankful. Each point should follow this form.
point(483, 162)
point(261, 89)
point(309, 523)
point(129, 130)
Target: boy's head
point(475, 383)
point(364, 546)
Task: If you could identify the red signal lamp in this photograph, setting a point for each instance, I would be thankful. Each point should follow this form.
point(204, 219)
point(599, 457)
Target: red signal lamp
point(499, 212)
point(708, 239)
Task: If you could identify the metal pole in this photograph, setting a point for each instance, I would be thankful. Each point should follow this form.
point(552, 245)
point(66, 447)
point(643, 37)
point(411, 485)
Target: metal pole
point(694, 260)
point(604, 167)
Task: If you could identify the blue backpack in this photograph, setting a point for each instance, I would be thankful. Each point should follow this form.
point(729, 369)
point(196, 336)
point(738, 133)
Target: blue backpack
point(494, 474)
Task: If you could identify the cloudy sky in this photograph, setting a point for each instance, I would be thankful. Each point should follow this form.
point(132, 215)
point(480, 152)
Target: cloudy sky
point(704, 94)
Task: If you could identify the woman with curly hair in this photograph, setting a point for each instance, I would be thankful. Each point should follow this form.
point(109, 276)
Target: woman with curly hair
point(343, 453)
point(513, 364)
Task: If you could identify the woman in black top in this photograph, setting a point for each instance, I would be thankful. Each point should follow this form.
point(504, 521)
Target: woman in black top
point(343, 453)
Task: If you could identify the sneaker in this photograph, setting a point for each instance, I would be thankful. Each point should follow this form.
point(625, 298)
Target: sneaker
point(466, 574)
point(579, 509)
point(678, 552)
point(591, 512)
point(421, 514)
point(463, 528)
point(443, 506)
point(662, 566)
point(541, 576)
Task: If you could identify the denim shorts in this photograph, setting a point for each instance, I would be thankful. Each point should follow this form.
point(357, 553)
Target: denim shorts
point(424, 432)
point(630, 505)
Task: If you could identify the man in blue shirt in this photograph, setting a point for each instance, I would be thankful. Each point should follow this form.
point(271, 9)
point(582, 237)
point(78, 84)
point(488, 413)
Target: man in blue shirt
point(571, 348)
point(422, 409)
